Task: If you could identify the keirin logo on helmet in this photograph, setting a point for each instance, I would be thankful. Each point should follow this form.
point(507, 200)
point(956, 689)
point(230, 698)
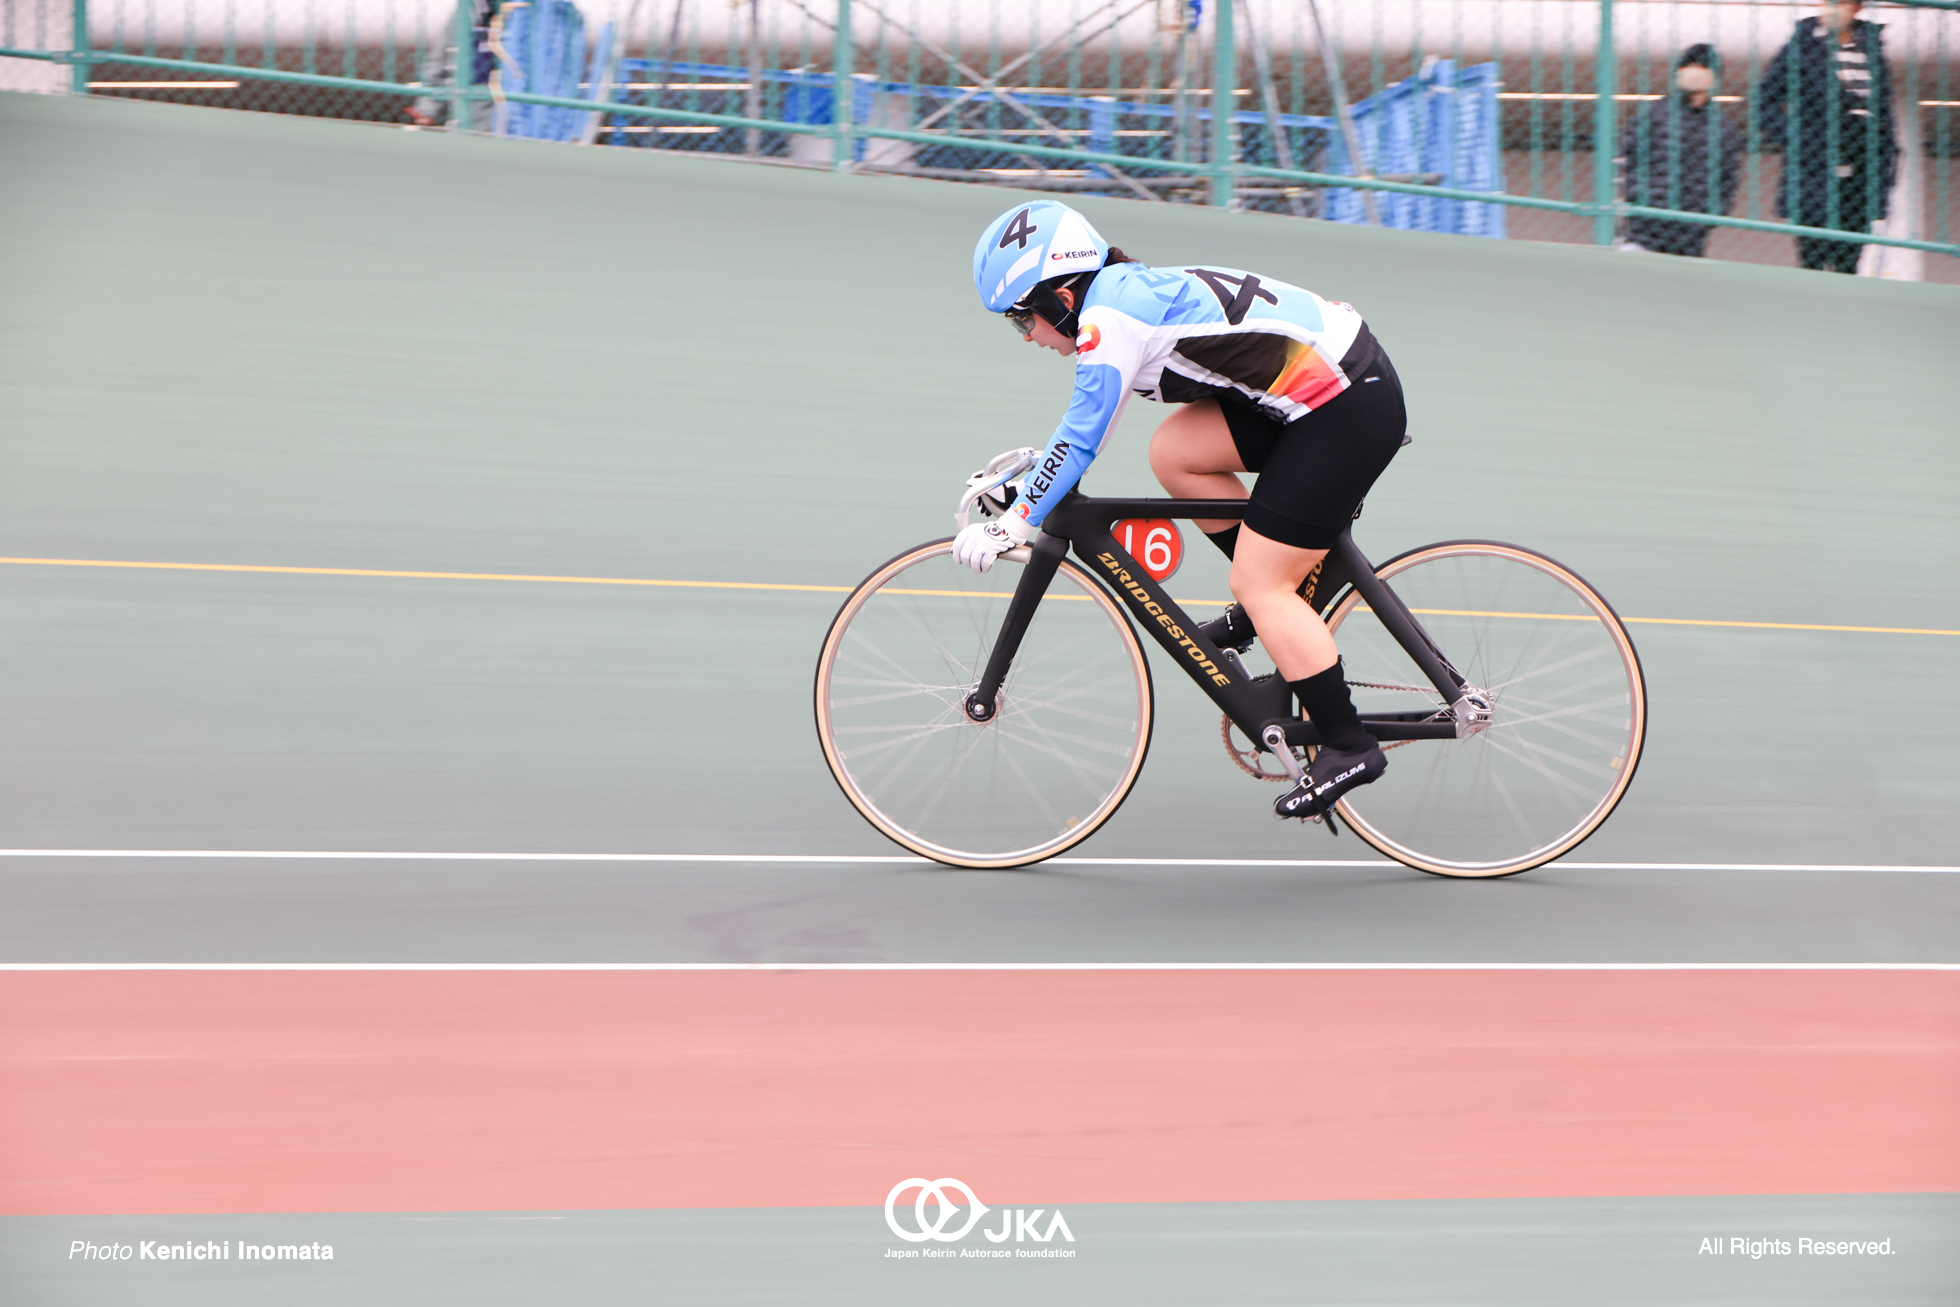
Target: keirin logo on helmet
point(1016, 1223)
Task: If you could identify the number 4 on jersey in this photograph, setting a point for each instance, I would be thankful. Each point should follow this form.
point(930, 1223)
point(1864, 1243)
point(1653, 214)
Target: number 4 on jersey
point(1244, 290)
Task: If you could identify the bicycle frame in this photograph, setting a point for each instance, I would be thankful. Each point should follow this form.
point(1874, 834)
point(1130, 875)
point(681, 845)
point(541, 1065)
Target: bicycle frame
point(1253, 706)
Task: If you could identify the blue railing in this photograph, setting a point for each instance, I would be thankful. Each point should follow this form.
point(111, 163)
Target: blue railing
point(1441, 126)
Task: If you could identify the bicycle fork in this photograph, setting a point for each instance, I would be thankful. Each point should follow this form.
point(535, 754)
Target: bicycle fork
point(1044, 559)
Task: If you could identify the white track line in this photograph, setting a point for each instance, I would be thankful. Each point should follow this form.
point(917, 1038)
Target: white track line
point(979, 966)
point(835, 859)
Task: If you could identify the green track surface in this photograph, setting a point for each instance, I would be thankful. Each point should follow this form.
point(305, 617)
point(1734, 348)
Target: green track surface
point(241, 339)
point(235, 339)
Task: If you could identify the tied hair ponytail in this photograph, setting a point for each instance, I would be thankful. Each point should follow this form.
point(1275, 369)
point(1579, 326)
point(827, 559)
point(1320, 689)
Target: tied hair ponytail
point(1061, 317)
point(1079, 281)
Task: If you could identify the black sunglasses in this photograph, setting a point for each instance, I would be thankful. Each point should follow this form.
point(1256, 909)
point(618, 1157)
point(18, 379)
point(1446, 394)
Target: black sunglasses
point(1021, 319)
point(1042, 301)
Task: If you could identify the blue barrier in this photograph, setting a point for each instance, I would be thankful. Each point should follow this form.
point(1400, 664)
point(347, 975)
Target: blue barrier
point(1443, 122)
point(807, 98)
point(541, 51)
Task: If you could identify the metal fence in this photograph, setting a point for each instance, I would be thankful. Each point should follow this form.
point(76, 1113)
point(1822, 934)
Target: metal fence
point(1740, 129)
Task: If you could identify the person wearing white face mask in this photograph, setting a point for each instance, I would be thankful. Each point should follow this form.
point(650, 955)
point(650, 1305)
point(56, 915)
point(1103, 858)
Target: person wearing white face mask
point(1681, 153)
point(1825, 99)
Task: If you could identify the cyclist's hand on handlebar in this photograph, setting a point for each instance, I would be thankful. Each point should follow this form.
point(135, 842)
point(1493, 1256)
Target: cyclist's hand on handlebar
point(979, 543)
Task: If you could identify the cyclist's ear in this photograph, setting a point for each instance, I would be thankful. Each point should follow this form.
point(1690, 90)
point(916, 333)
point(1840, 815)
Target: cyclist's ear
point(1066, 296)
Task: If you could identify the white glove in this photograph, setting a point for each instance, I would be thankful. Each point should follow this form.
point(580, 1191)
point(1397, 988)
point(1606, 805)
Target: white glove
point(979, 543)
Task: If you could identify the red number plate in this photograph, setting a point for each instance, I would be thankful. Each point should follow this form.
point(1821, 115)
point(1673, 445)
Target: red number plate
point(1154, 542)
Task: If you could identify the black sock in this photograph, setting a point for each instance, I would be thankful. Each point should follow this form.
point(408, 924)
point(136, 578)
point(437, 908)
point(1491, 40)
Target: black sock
point(1231, 630)
point(1324, 696)
point(1226, 540)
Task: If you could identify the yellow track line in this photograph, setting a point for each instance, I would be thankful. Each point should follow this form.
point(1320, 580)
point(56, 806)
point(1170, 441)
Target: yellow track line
point(425, 576)
point(1686, 622)
point(1791, 626)
point(845, 589)
point(1691, 621)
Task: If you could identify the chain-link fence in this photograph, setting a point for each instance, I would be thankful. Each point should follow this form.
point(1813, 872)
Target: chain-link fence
point(1478, 117)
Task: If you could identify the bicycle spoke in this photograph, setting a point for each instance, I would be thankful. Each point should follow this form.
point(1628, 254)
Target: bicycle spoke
point(1496, 742)
point(1511, 806)
point(1551, 721)
point(1561, 665)
point(1034, 792)
point(1041, 740)
point(864, 700)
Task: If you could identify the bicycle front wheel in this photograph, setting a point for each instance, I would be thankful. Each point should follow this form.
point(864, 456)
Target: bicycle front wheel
point(1568, 711)
point(1071, 727)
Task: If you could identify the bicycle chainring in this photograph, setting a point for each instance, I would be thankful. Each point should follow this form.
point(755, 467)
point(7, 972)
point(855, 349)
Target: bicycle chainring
point(1251, 761)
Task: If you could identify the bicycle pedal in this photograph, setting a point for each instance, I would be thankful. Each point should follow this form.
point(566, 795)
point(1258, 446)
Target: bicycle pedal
point(1318, 818)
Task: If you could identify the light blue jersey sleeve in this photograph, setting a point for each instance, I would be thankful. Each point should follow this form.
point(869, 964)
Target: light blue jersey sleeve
point(1117, 315)
point(1100, 394)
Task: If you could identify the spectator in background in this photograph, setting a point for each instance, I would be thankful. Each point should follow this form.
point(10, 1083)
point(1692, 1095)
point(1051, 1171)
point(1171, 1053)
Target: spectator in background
point(1826, 100)
point(439, 69)
point(1681, 153)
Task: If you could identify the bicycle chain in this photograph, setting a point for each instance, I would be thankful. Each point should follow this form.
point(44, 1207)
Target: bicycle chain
point(1239, 757)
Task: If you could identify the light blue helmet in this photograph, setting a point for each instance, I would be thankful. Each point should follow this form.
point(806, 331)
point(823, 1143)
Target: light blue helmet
point(1029, 244)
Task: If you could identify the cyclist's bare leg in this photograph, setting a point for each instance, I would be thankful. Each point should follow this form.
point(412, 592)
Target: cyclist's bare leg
point(1266, 578)
point(1194, 458)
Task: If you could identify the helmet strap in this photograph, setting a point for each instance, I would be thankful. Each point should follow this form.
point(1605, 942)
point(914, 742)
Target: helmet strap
point(1052, 308)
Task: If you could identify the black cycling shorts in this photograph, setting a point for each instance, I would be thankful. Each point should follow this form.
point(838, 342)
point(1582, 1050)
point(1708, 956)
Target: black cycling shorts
point(1315, 470)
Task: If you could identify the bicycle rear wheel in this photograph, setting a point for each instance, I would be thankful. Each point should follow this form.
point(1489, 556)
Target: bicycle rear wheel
point(1568, 711)
point(1066, 742)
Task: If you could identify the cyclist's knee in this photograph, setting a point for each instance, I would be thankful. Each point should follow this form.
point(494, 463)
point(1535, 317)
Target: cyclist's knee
point(1254, 588)
point(1165, 462)
point(1193, 441)
point(1262, 576)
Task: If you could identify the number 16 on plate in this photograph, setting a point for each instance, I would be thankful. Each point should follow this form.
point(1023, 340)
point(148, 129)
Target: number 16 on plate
point(1154, 542)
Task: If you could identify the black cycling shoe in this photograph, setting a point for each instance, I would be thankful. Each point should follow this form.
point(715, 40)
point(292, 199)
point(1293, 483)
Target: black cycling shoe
point(1331, 775)
point(1232, 631)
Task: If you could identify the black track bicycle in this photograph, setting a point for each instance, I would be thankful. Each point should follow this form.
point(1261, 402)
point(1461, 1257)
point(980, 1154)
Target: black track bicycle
point(996, 720)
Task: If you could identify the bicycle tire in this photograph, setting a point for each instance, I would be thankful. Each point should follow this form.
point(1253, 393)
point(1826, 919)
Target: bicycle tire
point(1066, 743)
point(1559, 669)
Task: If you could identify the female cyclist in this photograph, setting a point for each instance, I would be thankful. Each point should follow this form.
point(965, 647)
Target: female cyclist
point(1268, 379)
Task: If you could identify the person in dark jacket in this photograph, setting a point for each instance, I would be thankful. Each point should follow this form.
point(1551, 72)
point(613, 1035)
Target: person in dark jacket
point(439, 69)
point(1826, 100)
point(1681, 153)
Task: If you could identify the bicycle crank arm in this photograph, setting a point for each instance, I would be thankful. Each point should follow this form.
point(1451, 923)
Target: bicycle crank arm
point(1275, 737)
point(1276, 741)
